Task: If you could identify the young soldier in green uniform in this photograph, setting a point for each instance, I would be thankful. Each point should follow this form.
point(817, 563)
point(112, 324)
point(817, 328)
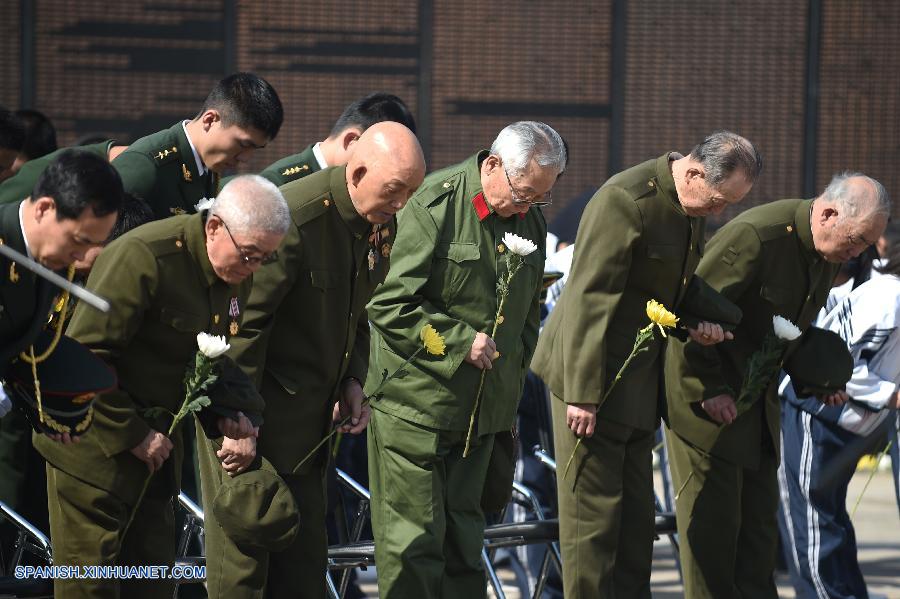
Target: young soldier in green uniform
point(306, 341)
point(775, 259)
point(640, 238)
point(335, 150)
point(167, 281)
point(172, 170)
point(20, 185)
point(449, 255)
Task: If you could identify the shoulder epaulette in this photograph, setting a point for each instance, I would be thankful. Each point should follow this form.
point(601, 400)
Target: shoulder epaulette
point(165, 155)
point(775, 230)
point(166, 246)
point(641, 188)
point(311, 209)
point(442, 189)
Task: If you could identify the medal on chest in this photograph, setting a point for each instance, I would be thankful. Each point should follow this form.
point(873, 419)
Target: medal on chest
point(234, 310)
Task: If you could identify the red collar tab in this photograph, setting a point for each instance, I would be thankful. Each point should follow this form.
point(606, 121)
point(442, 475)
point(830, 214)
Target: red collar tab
point(481, 207)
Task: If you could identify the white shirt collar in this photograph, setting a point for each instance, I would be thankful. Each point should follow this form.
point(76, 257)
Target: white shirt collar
point(320, 158)
point(22, 226)
point(201, 168)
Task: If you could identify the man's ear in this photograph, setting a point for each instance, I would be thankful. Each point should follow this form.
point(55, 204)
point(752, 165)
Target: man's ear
point(43, 207)
point(209, 117)
point(357, 175)
point(349, 137)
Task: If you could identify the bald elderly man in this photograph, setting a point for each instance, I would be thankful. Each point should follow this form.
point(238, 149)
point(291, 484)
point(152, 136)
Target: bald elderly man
point(305, 340)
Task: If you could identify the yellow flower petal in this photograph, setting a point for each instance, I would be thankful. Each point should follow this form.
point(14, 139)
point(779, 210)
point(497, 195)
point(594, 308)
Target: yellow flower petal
point(659, 315)
point(433, 341)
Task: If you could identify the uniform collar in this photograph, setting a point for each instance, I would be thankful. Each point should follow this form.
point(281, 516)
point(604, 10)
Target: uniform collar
point(665, 183)
point(11, 228)
point(338, 183)
point(320, 157)
point(803, 224)
point(195, 240)
point(198, 162)
point(22, 229)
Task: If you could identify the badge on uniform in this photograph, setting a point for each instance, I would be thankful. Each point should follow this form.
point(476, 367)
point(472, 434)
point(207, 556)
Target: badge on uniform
point(374, 250)
point(13, 275)
point(373, 259)
point(185, 172)
point(234, 310)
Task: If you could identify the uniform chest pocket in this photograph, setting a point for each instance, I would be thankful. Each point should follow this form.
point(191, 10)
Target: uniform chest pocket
point(775, 295)
point(665, 252)
point(457, 251)
point(323, 279)
point(183, 321)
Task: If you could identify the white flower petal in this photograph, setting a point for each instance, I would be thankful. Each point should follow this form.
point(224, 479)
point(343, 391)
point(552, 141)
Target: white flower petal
point(784, 328)
point(204, 204)
point(518, 245)
point(212, 346)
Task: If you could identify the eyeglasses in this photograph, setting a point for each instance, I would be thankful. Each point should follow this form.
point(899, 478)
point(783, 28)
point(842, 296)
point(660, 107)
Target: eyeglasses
point(245, 257)
point(520, 198)
point(858, 240)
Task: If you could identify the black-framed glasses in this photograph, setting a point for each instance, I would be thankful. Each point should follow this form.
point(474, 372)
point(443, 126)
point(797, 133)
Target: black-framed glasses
point(245, 257)
point(520, 198)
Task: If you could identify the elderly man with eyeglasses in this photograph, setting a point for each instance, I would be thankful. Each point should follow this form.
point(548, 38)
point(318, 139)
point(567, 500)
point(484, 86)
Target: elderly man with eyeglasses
point(166, 281)
point(448, 256)
point(640, 239)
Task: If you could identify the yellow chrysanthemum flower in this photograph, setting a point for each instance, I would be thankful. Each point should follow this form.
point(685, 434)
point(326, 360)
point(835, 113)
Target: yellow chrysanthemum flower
point(660, 316)
point(433, 341)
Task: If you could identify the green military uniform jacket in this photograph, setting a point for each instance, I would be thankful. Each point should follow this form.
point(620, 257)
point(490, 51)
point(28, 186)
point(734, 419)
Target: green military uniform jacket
point(291, 168)
point(161, 169)
point(306, 323)
point(20, 186)
point(765, 262)
point(163, 292)
point(25, 298)
point(634, 244)
point(449, 256)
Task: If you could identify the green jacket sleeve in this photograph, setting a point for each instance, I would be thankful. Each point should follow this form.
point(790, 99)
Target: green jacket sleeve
point(358, 367)
point(138, 174)
point(271, 284)
point(595, 286)
point(400, 308)
point(729, 267)
point(128, 280)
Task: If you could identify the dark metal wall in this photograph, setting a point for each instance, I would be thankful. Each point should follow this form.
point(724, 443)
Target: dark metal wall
point(811, 82)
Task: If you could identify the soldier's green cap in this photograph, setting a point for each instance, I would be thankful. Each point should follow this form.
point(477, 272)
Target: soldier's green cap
point(232, 392)
point(702, 303)
point(256, 508)
point(820, 365)
point(70, 377)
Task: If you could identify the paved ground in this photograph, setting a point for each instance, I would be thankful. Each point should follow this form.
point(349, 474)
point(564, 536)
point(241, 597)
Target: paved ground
point(877, 523)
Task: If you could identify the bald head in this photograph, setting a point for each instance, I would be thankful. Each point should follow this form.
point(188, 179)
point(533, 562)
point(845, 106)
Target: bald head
point(386, 168)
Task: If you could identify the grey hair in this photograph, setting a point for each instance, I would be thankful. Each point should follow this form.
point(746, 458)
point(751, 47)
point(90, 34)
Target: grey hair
point(519, 143)
point(858, 201)
point(723, 152)
point(250, 203)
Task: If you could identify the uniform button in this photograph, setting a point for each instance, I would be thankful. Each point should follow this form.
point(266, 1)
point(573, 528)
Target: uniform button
point(178, 243)
point(326, 202)
point(684, 281)
point(446, 184)
point(789, 228)
point(346, 354)
point(501, 248)
point(650, 183)
point(215, 319)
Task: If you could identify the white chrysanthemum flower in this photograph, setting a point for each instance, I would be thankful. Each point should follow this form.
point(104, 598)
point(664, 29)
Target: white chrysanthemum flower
point(204, 204)
point(518, 245)
point(212, 346)
point(784, 328)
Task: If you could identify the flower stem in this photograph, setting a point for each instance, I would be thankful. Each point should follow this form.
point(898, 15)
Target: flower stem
point(871, 475)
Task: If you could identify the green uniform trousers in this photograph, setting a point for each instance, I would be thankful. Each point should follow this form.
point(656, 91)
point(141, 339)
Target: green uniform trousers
point(606, 509)
point(236, 571)
point(86, 527)
point(426, 510)
point(726, 522)
point(23, 477)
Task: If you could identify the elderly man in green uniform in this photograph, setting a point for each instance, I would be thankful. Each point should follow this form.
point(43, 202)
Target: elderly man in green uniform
point(776, 259)
point(20, 185)
point(174, 169)
point(449, 254)
point(335, 150)
point(306, 341)
point(640, 238)
point(167, 281)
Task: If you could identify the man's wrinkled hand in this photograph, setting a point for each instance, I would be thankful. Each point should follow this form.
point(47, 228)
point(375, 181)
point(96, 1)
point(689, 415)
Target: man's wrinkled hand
point(720, 408)
point(838, 398)
point(483, 352)
point(709, 333)
point(351, 404)
point(236, 455)
point(581, 418)
point(153, 450)
point(240, 429)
